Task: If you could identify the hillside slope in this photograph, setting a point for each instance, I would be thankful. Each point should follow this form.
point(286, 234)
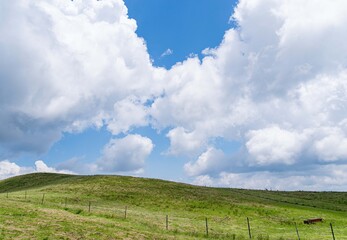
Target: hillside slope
point(33, 180)
point(272, 213)
point(148, 192)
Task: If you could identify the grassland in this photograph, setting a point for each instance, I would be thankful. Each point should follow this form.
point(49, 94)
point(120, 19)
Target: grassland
point(56, 206)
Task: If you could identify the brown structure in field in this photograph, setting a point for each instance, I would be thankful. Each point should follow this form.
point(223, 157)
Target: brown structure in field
point(313, 220)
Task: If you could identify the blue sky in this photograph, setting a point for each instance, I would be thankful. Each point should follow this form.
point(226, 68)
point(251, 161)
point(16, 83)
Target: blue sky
point(217, 93)
point(185, 27)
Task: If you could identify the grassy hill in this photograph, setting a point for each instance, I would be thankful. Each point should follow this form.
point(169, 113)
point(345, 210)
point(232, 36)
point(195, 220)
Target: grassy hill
point(58, 206)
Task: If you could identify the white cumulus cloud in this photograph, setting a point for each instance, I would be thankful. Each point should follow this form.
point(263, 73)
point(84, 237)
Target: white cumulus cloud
point(10, 169)
point(125, 154)
point(184, 142)
point(69, 65)
point(40, 166)
point(320, 178)
point(274, 145)
point(332, 147)
point(210, 162)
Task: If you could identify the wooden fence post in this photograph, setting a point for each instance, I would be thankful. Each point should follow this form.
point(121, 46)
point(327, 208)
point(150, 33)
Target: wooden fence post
point(206, 226)
point(65, 201)
point(249, 229)
point(332, 231)
point(297, 232)
point(25, 195)
point(89, 207)
point(43, 198)
point(125, 212)
point(6, 194)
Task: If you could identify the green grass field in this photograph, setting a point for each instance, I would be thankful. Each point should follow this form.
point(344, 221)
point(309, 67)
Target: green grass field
point(56, 206)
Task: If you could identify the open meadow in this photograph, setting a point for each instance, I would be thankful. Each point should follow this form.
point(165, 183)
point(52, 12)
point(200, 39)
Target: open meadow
point(58, 206)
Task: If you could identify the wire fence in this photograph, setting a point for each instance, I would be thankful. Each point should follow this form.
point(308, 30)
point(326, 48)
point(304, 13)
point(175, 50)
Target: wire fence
point(193, 225)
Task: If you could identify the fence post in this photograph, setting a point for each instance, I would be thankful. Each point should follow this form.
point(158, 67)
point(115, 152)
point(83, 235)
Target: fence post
point(249, 229)
point(167, 222)
point(89, 207)
point(65, 201)
point(43, 198)
point(297, 232)
point(332, 231)
point(25, 195)
point(125, 212)
point(206, 226)
point(6, 194)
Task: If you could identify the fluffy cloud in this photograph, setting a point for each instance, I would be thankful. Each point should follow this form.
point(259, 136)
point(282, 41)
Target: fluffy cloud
point(210, 162)
point(40, 166)
point(125, 154)
point(183, 142)
point(128, 113)
point(270, 71)
point(10, 169)
point(274, 145)
point(69, 65)
point(333, 146)
point(204, 180)
point(271, 85)
point(317, 178)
